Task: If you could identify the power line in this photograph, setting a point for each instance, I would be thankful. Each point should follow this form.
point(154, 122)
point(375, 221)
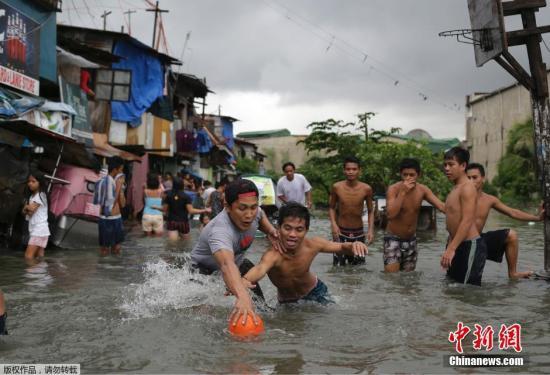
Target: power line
point(334, 42)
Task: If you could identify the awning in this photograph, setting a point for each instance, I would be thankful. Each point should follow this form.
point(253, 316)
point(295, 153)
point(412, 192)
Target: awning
point(74, 152)
point(103, 148)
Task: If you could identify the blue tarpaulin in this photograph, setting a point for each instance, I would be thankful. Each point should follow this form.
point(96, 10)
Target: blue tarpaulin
point(204, 144)
point(147, 82)
point(13, 105)
point(227, 133)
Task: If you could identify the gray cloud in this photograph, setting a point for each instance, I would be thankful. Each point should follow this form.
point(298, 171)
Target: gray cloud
point(259, 46)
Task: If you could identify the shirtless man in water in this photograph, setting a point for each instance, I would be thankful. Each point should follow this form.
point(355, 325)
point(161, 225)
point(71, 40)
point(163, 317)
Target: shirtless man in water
point(404, 200)
point(503, 241)
point(466, 252)
point(289, 270)
point(346, 204)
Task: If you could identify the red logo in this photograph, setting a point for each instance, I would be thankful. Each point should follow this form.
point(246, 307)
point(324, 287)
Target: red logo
point(246, 242)
point(459, 335)
point(484, 337)
point(509, 337)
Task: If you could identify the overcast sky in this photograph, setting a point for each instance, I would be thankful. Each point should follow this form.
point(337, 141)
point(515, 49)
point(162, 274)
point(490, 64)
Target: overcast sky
point(286, 63)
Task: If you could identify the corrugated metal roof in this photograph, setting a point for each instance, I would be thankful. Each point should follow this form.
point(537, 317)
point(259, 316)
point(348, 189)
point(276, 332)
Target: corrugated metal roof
point(68, 31)
point(265, 133)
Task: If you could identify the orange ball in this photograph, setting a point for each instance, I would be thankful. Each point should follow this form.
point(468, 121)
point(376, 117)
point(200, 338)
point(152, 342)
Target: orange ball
point(247, 329)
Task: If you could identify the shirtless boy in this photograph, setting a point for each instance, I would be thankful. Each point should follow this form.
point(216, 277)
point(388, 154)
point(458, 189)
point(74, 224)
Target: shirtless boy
point(503, 241)
point(404, 200)
point(346, 204)
point(289, 270)
point(466, 252)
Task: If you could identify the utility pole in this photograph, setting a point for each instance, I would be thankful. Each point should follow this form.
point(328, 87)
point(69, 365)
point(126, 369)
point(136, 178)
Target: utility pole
point(157, 10)
point(104, 16)
point(129, 13)
point(364, 119)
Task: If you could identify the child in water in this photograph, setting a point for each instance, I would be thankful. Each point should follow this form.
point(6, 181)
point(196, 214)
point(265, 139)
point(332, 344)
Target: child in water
point(36, 211)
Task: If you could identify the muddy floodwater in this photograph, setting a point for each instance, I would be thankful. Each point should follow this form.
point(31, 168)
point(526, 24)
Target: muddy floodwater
point(142, 313)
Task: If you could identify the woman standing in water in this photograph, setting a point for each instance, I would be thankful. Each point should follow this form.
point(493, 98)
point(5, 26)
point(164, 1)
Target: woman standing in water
point(152, 221)
point(36, 211)
point(178, 206)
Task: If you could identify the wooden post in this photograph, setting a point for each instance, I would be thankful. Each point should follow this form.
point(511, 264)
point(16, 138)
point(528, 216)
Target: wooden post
point(104, 16)
point(541, 122)
point(157, 10)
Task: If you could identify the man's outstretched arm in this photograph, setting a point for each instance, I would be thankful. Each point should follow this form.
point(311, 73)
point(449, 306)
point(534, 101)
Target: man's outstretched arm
point(350, 248)
point(232, 278)
point(256, 273)
point(433, 199)
point(517, 214)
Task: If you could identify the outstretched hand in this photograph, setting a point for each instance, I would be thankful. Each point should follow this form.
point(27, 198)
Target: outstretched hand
point(243, 307)
point(359, 249)
point(275, 240)
point(542, 211)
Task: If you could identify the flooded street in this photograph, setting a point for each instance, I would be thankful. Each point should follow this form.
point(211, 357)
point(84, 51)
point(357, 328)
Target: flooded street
point(143, 312)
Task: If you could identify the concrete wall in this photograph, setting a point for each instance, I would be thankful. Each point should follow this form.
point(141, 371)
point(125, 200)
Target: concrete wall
point(279, 150)
point(489, 118)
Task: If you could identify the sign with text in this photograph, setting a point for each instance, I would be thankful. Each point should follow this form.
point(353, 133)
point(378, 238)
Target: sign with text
point(76, 98)
point(19, 50)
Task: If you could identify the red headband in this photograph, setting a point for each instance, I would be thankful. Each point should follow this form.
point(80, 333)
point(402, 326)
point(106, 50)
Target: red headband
point(249, 194)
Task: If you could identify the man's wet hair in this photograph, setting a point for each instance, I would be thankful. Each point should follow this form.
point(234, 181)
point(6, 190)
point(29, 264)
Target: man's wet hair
point(287, 164)
point(238, 187)
point(460, 154)
point(293, 209)
point(114, 163)
point(409, 163)
point(352, 159)
point(207, 184)
point(477, 166)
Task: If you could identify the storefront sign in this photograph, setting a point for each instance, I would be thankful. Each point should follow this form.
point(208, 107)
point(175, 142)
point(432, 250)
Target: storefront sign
point(19, 81)
point(19, 50)
point(76, 98)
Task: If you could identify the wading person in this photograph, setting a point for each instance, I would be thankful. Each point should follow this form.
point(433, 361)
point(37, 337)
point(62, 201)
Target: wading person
point(223, 243)
point(466, 252)
point(293, 187)
point(503, 241)
point(404, 200)
point(177, 206)
point(346, 203)
point(3, 315)
point(216, 198)
point(289, 271)
point(36, 211)
point(109, 195)
point(152, 221)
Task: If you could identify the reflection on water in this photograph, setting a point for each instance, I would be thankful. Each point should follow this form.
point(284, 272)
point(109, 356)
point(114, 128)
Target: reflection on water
point(145, 312)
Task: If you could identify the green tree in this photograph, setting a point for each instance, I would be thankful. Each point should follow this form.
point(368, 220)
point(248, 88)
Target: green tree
point(516, 179)
point(333, 140)
point(246, 165)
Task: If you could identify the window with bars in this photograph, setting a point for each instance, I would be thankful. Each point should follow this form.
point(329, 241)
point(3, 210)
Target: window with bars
point(112, 85)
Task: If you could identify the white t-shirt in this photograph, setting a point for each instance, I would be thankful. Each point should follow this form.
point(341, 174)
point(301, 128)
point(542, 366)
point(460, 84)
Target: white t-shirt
point(220, 233)
point(294, 190)
point(38, 222)
point(207, 193)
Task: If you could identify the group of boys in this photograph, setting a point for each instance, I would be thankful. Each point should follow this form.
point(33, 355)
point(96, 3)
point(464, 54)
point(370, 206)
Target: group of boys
point(224, 241)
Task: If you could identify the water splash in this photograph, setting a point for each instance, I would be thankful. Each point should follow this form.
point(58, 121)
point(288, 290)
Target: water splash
point(172, 286)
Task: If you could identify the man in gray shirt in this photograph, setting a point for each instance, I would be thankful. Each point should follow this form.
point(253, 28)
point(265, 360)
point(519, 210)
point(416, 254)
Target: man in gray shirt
point(225, 239)
point(293, 186)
